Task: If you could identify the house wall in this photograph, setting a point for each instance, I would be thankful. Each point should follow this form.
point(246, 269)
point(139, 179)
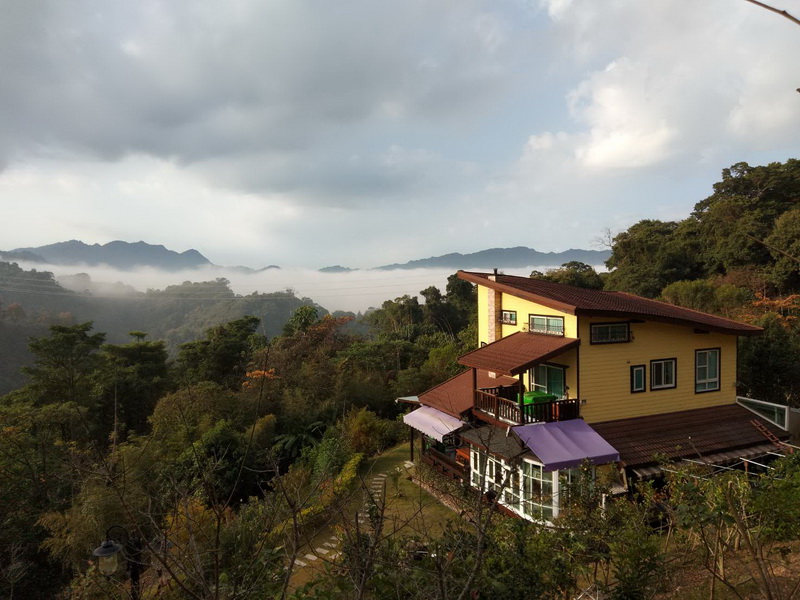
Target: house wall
point(599, 374)
point(605, 371)
point(523, 308)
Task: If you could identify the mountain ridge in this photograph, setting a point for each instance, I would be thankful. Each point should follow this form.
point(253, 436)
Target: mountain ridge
point(119, 254)
point(127, 256)
point(516, 257)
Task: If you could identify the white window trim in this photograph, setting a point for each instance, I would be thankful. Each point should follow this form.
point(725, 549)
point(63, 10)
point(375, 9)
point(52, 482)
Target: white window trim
point(559, 331)
point(697, 366)
point(643, 368)
point(662, 362)
point(594, 327)
point(508, 317)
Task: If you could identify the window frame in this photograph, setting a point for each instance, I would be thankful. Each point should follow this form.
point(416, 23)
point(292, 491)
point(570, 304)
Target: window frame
point(626, 340)
point(717, 379)
point(547, 330)
point(634, 389)
point(663, 361)
point(508, 317)
point(532, 379)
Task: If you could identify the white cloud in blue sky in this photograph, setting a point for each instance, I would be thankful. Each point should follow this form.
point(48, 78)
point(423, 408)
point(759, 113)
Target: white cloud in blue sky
point(362, 133)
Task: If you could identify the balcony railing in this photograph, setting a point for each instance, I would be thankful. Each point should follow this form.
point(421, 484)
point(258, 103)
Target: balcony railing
point(508, 410)
point(443, 464)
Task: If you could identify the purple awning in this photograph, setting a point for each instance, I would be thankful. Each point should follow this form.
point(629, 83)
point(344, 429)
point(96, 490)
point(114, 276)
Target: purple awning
point(566, 444)
point(432, 422)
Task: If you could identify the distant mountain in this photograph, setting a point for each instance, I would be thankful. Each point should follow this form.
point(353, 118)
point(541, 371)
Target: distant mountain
point(121, 255)
point(508, 258)
point(336, 269)
point(19, 256)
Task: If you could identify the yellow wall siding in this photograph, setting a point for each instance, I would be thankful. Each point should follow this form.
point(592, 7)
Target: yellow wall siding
point(526, 307)
point(605, 371)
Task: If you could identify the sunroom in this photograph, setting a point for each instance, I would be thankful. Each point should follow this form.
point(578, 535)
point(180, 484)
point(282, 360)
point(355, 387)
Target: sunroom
point(527, 469)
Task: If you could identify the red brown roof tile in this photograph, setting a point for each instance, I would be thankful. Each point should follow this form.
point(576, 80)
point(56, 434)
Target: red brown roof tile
point(685, 434)
point(516, 353)
point(455, 395)
point(581, 301)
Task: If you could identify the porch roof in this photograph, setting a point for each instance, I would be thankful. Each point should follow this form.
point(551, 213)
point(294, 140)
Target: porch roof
point(455, 395)
point(432, 422)
point(566, 444)
point(695, 434)
point(516, 353)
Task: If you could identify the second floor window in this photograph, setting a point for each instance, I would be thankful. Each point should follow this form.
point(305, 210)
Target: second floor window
point(508, 317)
point(548, 379)
point(549, 325)
point(610, 333)
point(662, 374)
point(706, 375)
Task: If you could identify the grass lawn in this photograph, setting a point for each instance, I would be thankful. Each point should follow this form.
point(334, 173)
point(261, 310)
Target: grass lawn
point(409, 510)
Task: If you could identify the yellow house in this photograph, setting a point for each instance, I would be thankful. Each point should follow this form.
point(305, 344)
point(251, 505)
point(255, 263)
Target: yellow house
point(564, 374)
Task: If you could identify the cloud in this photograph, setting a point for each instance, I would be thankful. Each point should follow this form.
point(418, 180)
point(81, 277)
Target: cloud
point(665, 95)
point(226, 87)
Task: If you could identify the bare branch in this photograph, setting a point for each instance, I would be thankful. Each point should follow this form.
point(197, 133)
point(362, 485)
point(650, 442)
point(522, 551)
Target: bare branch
point(777, 11)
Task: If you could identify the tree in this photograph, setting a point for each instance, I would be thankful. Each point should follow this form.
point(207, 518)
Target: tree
point(650, 255)
point(301, 319)
point(784, 245)
point(224, 354)
point(136, 377)
point(574, 273)
point(769, 364)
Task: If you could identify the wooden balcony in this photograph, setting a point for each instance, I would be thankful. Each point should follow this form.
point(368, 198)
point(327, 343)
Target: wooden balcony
point(443, 464)
point(506, 410)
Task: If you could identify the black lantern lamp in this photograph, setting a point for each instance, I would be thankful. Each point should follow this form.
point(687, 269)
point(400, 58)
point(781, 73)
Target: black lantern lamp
point(109, 552)
point(108, 556)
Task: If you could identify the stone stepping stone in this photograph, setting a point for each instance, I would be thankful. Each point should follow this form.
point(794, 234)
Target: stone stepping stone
point(322, 550)
point(335, 555)
point(311, 557)
point(329, 545)
point(408, 464)
point(381, 476)
point(300, 563)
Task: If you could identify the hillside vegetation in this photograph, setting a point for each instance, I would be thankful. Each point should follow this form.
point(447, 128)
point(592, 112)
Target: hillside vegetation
point(222, 431)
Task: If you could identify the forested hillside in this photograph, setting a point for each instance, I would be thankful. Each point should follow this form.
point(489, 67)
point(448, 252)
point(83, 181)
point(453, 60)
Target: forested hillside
point(221, 431)
point(117, 433)
point(32, 300)
point(737, 254)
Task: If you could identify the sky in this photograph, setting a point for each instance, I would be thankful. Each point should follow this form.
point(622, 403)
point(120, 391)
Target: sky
point(367, 132)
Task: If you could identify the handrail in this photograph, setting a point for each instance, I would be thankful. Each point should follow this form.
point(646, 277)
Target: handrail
point(540, 412)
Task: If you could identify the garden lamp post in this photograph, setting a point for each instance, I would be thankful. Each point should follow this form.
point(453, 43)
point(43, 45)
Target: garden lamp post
point(109, 552)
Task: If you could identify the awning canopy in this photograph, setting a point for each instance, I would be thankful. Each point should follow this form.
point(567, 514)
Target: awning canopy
point(518, 352)
point(566, 444)
point(432, 422)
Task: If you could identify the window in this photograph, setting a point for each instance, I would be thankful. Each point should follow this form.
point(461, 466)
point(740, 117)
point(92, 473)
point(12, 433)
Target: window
point(637, 379)
point(706, 370)
point(662, 374)
point(610, 333)
point(551, 380)
point(508, 317)
point(537, 492)
point(549, 325)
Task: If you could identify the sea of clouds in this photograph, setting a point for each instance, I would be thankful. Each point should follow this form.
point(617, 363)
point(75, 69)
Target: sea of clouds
point(355, 291)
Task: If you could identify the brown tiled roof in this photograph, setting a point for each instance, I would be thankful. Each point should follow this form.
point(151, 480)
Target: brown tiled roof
point(685, 434)
point(517, 352)
point(581, 301)
point(455, 395)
